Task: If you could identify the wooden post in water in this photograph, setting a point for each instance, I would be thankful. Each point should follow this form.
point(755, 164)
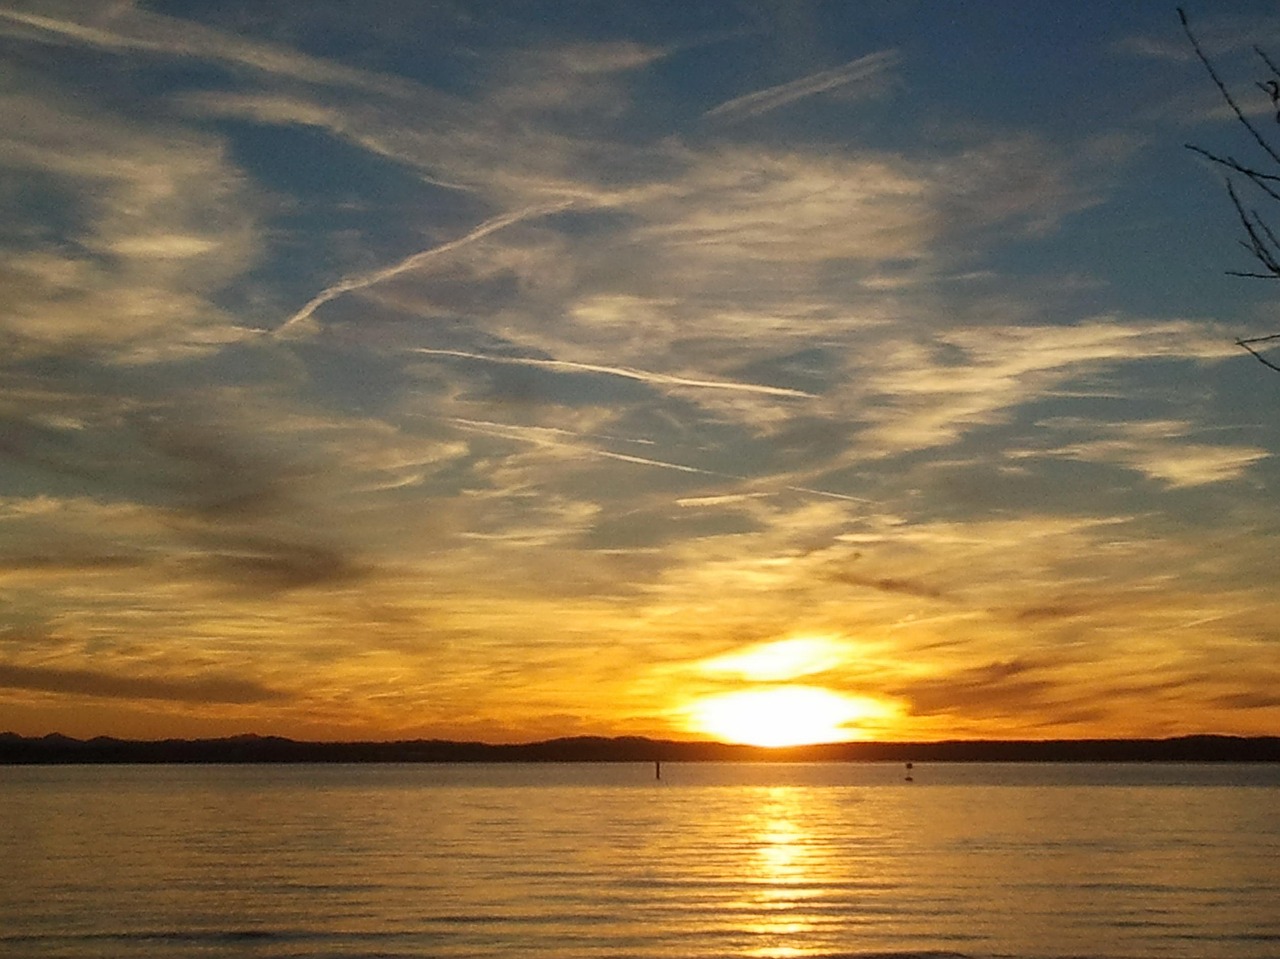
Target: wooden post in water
point(657, 769)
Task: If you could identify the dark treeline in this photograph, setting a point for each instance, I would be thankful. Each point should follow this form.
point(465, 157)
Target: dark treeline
point(273, 749)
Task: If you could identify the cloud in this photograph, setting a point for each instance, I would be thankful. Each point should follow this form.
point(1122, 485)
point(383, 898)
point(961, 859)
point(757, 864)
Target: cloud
point(153, 219)
point(890, 584)
point(757, 206)
point(194, 490)
point(1252, 699)
point(185, 689)
point(931, 393)
point(1230, 42)
point(1160, 450)
point(32, 566)
point(1218, 35)
point(127, 29)
point(860, 70)
point(1021, 184)
point(183, 453)
point(579, 80)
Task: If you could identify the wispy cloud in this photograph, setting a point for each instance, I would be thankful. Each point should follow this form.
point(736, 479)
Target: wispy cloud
point(1220, 32)
point(125, 28)
point(756, 206)
point(936, 395)
point(581, 79)
point(159, 219)
point(1163, 451)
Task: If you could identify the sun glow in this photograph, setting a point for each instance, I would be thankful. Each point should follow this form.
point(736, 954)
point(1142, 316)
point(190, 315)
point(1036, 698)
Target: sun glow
point(780, 660)
point(784, 715)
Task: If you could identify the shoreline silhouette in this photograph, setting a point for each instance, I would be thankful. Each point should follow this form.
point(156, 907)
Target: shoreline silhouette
point(250, 748)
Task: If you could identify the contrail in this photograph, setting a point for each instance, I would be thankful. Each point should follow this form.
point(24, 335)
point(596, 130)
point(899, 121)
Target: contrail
point(531, 434)
point(553, 429)
point(762, 101)
point(827, 493)
point(303, 317)
point(537, 436)
point(627, 372)
point(1203, 619)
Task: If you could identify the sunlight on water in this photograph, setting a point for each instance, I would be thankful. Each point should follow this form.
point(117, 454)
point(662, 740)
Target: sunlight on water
point(592, 861)
point(782, 863)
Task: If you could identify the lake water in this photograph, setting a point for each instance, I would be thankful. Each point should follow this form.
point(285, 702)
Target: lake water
point(602, 860)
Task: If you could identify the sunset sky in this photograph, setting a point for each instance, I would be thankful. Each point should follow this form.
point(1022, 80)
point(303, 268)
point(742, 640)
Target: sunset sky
point(749, 370)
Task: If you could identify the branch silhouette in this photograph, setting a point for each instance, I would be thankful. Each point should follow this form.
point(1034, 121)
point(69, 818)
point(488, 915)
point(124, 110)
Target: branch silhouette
point(1260, 240)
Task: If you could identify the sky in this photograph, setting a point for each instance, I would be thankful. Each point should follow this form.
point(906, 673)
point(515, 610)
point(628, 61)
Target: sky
point(751, 370)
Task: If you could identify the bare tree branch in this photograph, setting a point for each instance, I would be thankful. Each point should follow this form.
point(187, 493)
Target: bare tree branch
point(1260, 240)
point(1222, 88)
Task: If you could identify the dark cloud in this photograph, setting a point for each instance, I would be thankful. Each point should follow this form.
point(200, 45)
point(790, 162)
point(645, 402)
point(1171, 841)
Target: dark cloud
point(891, 584)
point(1052, 611)
point(1010, 685)
point(140, 438)
point(1249, 699)
point(84, 682)
point(76, 424)
point(210, 470)
point(26, 442)
point(268, 564)
point(59, 563)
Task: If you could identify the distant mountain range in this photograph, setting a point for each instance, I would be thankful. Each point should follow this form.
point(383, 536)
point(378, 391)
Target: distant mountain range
point(55, 748)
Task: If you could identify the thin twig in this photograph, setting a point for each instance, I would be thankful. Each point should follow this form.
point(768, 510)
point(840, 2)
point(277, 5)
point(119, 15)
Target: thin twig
point(1267, 60)
point(1258, 356)
point(1257, 232)
point(1259, 339)
point(1232, 163)
point(1256, 177)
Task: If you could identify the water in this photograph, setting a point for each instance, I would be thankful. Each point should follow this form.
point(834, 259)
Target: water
point(585, 861)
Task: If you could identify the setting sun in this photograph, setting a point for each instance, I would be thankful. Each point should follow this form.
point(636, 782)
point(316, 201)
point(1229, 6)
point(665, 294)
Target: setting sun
point(783, 716)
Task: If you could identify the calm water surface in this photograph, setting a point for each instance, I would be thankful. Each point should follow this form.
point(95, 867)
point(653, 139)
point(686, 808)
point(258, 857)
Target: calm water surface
point(602, 860)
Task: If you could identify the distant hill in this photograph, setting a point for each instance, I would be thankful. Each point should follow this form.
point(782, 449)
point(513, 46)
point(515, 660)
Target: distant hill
point(56, 748)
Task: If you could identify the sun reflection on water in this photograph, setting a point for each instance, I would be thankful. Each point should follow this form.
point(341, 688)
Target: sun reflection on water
point(783, 861)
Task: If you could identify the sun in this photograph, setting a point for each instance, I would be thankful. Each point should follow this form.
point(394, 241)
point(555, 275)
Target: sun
point(783, 715)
